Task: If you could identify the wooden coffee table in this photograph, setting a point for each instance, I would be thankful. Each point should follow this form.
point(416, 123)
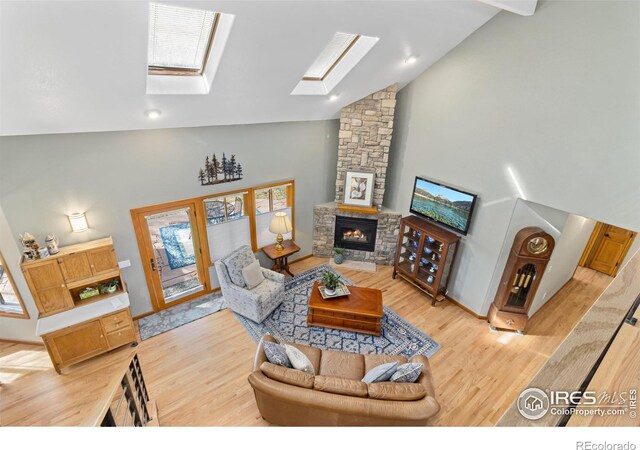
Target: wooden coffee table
point(361, 311)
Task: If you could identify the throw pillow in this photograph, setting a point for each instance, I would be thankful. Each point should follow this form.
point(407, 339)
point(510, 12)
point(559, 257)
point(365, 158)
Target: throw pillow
point(381, 373)
point(252, 274)
point(298, 359)
point(276, 354)
point(407, 373)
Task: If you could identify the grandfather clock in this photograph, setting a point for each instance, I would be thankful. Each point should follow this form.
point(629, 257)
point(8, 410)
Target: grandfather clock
point(528, 258)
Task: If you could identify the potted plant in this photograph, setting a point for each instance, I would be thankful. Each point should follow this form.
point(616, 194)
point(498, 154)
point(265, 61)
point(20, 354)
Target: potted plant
point(110, 287)
point(331, 282)
point(338, 255)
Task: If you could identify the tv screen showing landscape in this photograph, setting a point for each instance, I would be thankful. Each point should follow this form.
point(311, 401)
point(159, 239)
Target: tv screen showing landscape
point(444, 205)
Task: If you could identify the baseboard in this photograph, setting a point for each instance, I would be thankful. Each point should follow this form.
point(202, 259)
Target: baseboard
point(17, 341)
point(302, 258)
point(465, 309)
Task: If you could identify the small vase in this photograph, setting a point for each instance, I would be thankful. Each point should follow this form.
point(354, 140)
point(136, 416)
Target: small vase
point(339, 259)
point(329, 292)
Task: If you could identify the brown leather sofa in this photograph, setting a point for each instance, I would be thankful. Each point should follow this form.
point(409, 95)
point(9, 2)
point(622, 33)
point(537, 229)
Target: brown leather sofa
point(336, 396)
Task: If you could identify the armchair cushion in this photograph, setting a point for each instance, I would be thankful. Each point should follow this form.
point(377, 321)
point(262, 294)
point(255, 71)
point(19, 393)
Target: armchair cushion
point(236, 261)
point(252, 275)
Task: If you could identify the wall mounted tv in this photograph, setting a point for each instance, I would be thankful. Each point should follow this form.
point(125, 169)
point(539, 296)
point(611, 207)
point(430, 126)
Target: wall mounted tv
point(444, 205)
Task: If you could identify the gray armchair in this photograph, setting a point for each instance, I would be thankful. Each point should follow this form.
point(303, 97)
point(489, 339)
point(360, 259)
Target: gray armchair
point(257, 303)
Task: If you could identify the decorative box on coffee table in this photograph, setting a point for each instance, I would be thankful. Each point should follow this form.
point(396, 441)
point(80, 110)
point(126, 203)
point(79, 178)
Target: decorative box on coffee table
point(360, 311)
point(425, 256)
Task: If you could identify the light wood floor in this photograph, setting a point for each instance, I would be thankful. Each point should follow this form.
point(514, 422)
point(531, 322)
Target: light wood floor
point(198, 373)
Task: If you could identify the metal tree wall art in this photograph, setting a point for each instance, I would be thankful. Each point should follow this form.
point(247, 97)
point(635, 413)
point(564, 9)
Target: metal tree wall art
point(222, 171)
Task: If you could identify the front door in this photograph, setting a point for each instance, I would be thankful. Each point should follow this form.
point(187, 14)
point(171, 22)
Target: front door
point(170, 247)
point(609, 248)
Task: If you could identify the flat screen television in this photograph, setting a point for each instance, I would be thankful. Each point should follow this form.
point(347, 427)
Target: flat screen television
point(443, 205)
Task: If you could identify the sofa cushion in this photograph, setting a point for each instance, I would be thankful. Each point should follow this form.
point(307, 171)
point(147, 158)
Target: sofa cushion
point(285, 375)
point(276, 354)
point(407, 373)
point(237, 261)
point(397, 391)
point(252, 274)
point(342, 364)
point(342, 386)
point(299, 360)
point(371, 361)
point(314, 354)
point(381, 373)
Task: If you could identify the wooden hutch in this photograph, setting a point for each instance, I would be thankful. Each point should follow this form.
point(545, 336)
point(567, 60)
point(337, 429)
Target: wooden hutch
point(75, 329)
point(425, 256)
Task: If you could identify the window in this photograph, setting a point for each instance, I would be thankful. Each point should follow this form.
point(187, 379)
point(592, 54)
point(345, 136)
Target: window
point(11, 304)
point(180, 39)
point(337, 48)
point(224, 209)
point(272, 199)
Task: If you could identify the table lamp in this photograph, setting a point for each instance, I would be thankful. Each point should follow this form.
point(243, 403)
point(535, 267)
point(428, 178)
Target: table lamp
point(280, 224)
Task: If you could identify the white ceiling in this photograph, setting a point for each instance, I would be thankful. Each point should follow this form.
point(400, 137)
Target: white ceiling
point(81, 66)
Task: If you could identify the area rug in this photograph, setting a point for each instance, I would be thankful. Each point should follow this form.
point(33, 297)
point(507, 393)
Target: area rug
point(176, 240)
point(289, 323)
point(179, 315)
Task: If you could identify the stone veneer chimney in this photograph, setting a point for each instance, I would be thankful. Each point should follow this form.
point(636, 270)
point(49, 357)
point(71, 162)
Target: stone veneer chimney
point(366, 127)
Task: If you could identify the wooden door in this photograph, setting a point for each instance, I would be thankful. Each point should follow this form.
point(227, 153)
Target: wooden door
point(78, 343)
point(49, 290)
point(170, 240)
point(75, 267)
point(102, 260)
point(608, 248)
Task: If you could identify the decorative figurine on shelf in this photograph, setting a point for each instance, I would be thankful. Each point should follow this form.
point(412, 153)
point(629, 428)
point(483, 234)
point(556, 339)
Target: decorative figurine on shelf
point(29, 246)
point(440, 247)
point(51, 242)
point(430, 240)
point(430, 279)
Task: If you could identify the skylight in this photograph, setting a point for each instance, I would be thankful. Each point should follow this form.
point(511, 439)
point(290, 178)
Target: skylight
point(337, 48)
point(180, 39)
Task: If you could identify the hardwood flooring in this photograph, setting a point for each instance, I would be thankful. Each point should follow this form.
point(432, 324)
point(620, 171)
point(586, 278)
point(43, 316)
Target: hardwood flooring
point(198, 373)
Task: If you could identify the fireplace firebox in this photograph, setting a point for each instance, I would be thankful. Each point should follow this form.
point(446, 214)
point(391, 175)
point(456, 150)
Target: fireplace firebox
point(355, 234)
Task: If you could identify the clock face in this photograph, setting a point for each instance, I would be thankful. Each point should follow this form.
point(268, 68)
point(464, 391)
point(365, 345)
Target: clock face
point(537, 245)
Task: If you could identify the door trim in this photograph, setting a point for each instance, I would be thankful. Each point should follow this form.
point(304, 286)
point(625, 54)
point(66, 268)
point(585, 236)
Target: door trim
point(145, 247)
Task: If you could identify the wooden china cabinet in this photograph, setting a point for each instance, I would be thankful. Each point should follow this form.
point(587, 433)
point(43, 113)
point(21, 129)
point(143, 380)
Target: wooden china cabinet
point(425, 256)
point(528, 258)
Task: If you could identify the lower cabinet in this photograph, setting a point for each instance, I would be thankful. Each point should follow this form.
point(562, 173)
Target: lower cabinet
point(85, 340)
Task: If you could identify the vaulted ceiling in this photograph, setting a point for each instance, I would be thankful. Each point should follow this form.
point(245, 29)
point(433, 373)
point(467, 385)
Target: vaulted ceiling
point(81, 66)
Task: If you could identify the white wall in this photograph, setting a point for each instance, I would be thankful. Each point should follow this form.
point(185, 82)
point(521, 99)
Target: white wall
point(545, 108)
point(525, 214)
point(564, 260)
point(45, 177)
point(11, 328)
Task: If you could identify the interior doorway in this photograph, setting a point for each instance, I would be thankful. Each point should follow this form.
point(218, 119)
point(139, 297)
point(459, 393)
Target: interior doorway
point(169, 240)
point(607, 248)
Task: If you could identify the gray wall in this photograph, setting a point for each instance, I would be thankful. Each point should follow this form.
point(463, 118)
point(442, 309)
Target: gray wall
point(45, 177)
point(554, 97)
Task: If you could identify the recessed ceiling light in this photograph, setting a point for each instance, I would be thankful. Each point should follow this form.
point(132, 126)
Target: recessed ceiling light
point(153, 113)
point(334, 97)
point(410, 60)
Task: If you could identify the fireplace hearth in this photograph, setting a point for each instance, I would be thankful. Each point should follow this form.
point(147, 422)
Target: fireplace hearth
point(355, 234)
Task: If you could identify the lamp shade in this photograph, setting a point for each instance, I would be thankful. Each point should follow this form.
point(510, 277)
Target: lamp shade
point(280, 223)
point(78, 222)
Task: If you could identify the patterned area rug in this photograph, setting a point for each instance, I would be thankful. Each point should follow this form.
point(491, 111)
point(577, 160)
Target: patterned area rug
point(289, 323)
point(179, 315)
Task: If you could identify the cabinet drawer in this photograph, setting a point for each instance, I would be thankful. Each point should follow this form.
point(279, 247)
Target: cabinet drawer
point(120, 337)
point(116, 321)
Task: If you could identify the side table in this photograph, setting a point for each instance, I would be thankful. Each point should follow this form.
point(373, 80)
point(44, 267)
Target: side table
point(280, 258)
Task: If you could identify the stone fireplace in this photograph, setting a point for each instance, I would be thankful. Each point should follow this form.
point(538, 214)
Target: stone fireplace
point(366, 128)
